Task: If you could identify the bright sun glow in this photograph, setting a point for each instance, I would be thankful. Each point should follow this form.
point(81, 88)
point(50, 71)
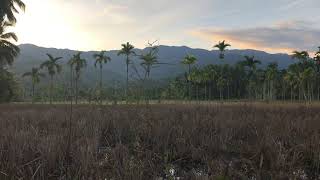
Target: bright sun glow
point(45, 23)
point(105, 24)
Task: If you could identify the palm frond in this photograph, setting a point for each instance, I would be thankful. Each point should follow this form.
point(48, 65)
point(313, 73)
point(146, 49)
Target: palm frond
point(27, 74)
point(9, 36)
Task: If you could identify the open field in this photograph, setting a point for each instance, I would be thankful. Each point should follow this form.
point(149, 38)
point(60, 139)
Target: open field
point(217, 141)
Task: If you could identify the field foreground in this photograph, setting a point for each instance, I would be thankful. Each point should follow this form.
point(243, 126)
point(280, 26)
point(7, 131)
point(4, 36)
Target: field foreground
point(239, 141)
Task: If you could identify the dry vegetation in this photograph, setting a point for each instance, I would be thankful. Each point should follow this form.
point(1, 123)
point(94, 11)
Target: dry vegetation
point(238, 141)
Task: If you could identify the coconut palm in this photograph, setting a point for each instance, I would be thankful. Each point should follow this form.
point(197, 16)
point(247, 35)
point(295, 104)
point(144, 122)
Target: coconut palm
point(35, 75)
point(53, 68)
point(77, 63)
point(101, 59)
point(222, 47)
point(8, 8)
point(127, 50)
point(8, 50)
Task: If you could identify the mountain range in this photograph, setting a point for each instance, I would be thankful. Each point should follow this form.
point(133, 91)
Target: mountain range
point(171, 56)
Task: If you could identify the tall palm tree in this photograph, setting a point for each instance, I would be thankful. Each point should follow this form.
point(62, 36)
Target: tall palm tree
point(221, 83)
point(292, 79)
point(271, 75)
point(306, 78)
point(127, 50)
point(302, 56)
point(8, 8)
point(35, 75)
point(8, 50)
point(101, 59)
point(222, 47)
point(251, 63)
point(148, 62)
point(318, 52)
point(317, 59)
point(53, 68)
point(189, 60)
point(77, 63)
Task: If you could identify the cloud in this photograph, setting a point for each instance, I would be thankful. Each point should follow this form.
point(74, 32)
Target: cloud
point(281, 37)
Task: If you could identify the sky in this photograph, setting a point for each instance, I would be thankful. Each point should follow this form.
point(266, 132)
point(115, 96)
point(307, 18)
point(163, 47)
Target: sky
point(270, 25)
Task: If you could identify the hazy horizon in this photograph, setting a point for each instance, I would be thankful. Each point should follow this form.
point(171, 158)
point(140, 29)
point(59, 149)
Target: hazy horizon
point(276, 26)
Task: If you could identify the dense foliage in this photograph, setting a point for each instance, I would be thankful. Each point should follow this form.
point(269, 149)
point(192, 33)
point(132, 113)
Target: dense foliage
point(300, 81)
point(8, 50)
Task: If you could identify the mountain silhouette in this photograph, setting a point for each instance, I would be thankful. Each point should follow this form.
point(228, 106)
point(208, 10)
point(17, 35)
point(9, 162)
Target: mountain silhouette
point(32, 56)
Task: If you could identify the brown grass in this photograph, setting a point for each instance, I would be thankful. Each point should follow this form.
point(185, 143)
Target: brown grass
point(230, 141)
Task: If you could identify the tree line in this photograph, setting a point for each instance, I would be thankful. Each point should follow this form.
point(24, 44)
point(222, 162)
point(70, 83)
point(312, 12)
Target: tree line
point(53, 66)
point(244, 80)
point(247, 80)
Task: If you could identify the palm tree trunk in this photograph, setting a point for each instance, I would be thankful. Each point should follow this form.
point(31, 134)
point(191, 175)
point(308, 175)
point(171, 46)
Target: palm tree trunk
point(51, 89)
point(127, 82)
point(228, 91)
point(189, 84)
point(71, 83)
point(77, 90)
point(33, 84)
point(100, 93)
point(291, 93)
point(205, 92)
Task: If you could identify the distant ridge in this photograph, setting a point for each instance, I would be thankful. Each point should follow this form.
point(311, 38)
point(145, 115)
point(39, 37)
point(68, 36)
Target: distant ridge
point(32, 55)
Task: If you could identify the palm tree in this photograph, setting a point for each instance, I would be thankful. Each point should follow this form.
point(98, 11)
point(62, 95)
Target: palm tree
point(148, 61)
point(77, 63)
point(317, 59)
point(8, 8)
point(222, 47)
point(291, 79)
point(35, 75)
point(306, 78)
point(302, 56)
point(127, 50)
point(101, 59)
point(53, 68)
point(271, 75)
point(221, 83)
point(317, 64)
point(251, 63)
point(189, 60)
point(8, 50)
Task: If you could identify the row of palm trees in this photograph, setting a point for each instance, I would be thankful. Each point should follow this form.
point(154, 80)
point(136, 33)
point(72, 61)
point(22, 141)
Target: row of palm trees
point(243, 80)
point(246, 80)
point(77, 63)
point(53, 67)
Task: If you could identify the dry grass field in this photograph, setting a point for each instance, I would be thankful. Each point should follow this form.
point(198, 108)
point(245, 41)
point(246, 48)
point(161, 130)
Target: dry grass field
point(217, 141)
